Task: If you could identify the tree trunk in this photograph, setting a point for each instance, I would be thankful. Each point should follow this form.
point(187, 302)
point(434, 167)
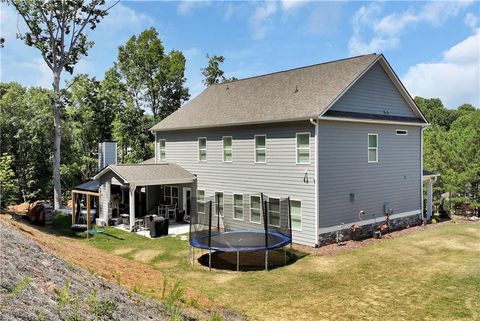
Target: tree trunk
point(57, 188)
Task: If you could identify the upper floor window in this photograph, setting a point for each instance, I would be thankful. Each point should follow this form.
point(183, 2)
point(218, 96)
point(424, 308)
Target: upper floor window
point(372, 148)
point(303, 148)
point(260, 148)
point(202, 149)
point(227, 148)
point(161, 144)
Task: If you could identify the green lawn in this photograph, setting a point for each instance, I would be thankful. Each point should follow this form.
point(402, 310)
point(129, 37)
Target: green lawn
point(426, 275)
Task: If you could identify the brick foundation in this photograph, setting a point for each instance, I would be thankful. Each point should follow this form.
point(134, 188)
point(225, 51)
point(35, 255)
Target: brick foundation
point(366, 231)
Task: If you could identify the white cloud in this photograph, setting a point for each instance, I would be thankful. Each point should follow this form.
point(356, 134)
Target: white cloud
point(186, 7)
point(260, 21)
point(471, 20)
point(292, 4)
point(455, 79)
point(388, 29)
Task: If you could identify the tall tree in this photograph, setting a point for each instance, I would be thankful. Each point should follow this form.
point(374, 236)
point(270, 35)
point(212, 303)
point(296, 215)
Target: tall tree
point(154, 79)
point(58, 30)
point(213, 73)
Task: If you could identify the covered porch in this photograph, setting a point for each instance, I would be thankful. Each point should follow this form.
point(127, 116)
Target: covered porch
point(132, 197)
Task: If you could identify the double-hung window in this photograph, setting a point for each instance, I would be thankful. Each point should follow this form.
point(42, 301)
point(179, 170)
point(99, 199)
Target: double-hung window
point(255, 209)
point(274, 212)
point(161, 145)
point(219, 204)
point(171, 194)
point(260, 148)
point(372, 148)
point(296, 214)
point(303, 148)
point(227, 148)
point(238, 207)
point(200, 201)
point(202, 149)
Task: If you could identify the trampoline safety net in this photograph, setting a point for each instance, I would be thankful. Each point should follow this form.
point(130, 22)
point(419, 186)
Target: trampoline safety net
point(240, 222)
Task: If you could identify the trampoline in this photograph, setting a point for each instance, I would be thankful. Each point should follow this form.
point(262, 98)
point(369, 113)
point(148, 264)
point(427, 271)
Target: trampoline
point(242, 240)
point(219, 226)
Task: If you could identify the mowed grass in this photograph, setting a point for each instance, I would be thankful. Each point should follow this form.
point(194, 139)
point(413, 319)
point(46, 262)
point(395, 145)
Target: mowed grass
point(426, 275)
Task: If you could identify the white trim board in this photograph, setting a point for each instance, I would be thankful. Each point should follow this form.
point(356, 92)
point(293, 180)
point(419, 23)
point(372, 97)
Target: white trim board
point(367, 222)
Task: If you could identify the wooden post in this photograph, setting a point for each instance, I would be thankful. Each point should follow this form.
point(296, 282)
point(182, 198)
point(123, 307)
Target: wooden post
point(88, 214)
point(73, 207)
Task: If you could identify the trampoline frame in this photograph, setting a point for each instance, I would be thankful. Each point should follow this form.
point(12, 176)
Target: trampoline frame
point(285, 239)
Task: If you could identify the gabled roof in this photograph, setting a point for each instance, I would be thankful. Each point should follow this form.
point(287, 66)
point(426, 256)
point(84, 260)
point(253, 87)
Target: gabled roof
point(149, 174)
point(296, 94)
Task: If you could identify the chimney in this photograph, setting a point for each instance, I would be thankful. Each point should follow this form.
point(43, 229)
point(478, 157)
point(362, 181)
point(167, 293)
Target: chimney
point(107, 154)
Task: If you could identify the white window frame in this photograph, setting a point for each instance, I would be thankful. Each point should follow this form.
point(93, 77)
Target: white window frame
point(372, 148)
point(215, 203)
point(260, 209)
point(201, 202)
point(301, 214)
point(201, 149)
point(171, 187)
point(242, 206)
point(404, 132)
point(297, 148)
point(255, 148)
point(279, 212)
point(164, 149)
point(223, 148)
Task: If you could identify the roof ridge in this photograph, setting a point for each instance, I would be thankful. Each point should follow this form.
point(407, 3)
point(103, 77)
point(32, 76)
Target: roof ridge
point(292, 69)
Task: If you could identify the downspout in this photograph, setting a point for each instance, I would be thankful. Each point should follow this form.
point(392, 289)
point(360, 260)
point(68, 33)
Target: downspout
point(155, 159)
point(421, 175)
point(315, 123)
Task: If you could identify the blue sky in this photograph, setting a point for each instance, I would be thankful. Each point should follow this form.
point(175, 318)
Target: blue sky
point(432, 46)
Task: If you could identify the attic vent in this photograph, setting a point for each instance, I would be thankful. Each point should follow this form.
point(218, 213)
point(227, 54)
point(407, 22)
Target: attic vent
point(402, 132)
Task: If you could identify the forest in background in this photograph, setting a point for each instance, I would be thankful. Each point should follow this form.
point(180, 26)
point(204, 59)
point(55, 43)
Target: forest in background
point(115, 109)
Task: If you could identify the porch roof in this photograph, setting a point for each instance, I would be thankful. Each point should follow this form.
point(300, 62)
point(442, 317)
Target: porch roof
point(149, 174)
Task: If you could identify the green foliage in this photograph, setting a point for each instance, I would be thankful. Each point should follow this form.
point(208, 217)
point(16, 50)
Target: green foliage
point(153, 79)
point(213, 73)
point(26, 134)
point(101, 310)
point(452, 148)
point(20, 287)
point(63, 295)
point(8, 181)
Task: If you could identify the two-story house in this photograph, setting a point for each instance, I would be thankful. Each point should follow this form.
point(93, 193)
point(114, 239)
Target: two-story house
point(341, 139)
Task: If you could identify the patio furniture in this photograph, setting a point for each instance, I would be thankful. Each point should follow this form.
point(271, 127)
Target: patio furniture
point(125, 219)
point(148, 219)
point(171, 211)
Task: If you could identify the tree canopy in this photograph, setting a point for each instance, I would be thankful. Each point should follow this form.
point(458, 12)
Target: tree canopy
point(213, 73)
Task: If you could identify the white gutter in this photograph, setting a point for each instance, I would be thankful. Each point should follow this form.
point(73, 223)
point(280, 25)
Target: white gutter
point(315, 123)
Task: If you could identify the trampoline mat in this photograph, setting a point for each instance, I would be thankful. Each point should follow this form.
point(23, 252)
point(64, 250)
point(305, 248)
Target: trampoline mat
point(244, 240)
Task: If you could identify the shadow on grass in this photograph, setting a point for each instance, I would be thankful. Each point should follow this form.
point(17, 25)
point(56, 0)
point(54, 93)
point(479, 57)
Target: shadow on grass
point(252, 260)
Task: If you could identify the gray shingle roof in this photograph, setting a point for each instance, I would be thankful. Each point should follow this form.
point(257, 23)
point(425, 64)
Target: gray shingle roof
point(300, 93)
point(150, 174)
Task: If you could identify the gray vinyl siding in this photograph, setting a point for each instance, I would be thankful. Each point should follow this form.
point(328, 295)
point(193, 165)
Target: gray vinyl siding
point(344, 169)
point(279, 177)
point(374, 93)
